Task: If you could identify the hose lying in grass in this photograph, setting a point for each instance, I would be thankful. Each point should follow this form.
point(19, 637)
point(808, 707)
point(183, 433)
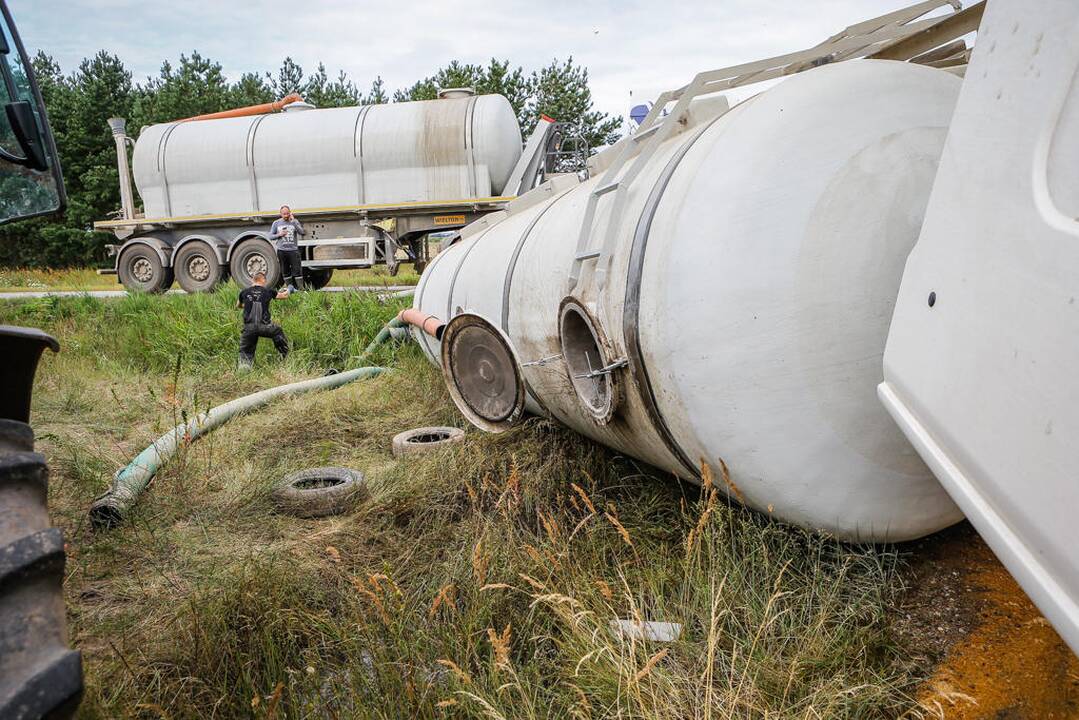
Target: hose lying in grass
point(127, 484)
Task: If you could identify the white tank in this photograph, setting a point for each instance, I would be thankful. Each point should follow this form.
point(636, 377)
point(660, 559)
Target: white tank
point(432, 150)
point(744, 316)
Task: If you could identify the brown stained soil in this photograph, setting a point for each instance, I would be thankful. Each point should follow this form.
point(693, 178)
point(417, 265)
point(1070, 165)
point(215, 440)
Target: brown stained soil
point(995, 655)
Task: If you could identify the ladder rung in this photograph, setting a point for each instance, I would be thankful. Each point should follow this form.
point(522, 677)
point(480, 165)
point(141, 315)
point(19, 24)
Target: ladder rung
point(642, 134)
point(588, 255)
point(604, 189)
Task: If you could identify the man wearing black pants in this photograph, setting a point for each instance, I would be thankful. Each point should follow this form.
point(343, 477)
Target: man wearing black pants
point(284, 232)
point(255, 301)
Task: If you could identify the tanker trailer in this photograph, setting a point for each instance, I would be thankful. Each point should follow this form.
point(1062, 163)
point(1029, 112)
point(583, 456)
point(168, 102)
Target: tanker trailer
point(719, 292)
point(365, 181)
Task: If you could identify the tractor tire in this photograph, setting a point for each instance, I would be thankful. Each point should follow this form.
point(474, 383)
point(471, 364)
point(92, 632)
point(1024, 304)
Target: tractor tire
point(425, 440)
point(197, 268)
point(251, 256)
point(141, 270)
point(40, 676)
point(318, 492)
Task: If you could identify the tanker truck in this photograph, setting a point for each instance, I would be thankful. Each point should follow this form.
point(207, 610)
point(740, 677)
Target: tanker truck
point(852, 295)
point(369, 183)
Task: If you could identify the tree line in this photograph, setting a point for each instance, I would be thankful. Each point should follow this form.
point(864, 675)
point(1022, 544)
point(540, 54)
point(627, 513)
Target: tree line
point(80, 102)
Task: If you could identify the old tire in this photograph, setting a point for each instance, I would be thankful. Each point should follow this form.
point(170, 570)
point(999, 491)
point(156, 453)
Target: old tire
point(141, 270)
point(317, 492)
point(197, 267)
point(317, 279)
point(426, 439)
point(251, 256)
point(40, 676)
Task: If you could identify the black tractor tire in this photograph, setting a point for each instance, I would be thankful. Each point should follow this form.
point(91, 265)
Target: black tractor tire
point(425, 440)
point(141, 270)
point(317, 279)
point(318, 492)
point(252, 255)
point(40, 676)
point(197, 268)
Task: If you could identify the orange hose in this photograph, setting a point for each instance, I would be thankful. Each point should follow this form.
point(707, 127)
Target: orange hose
point(249, 110)
point(428, 323)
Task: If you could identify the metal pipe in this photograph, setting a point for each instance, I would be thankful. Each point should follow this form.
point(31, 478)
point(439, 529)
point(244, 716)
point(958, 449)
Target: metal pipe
point(262, 109)
point(128, 483)
point(428, 323)
point(127, 196)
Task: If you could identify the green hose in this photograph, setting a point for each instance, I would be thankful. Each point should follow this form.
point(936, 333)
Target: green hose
point(128, 483)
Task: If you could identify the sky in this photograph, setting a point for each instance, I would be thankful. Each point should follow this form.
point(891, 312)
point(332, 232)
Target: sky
point(633, 50)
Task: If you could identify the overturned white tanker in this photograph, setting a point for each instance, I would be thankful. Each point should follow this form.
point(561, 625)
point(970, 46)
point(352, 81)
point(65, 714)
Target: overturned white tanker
point(719, 292)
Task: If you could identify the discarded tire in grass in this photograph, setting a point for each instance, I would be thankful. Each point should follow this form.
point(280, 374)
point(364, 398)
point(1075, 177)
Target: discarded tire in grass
point(425, 439)
point(317, 492)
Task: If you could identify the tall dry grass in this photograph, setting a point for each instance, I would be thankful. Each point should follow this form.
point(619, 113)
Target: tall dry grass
point(477, 582)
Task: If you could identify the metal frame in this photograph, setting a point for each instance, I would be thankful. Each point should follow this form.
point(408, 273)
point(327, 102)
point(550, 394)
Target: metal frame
point(898, 36)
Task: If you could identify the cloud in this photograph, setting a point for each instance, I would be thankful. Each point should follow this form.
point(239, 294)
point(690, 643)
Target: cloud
point(629, 47)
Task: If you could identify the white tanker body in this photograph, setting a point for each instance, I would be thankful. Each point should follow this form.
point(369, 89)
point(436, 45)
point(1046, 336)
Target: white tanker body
point(364, 180)
point(743, 315)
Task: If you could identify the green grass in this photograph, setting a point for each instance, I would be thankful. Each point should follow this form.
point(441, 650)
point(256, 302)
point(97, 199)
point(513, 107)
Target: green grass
point(26, 279)
point(476, 582)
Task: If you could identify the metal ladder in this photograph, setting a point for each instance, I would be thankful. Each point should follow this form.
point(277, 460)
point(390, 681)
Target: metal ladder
point(895, 35)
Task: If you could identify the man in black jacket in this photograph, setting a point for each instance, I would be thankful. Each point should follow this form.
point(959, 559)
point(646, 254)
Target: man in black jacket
point(255, 302)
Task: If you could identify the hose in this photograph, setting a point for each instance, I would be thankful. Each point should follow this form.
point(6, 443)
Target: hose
point(427, 323)
point(128, 483)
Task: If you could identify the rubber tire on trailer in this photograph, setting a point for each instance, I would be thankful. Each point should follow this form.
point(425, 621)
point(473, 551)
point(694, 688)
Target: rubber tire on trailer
point(292, 498)
point(203, 257)
point(317, 279)
point(242, 257)
point(141, 259)
point(413, 442)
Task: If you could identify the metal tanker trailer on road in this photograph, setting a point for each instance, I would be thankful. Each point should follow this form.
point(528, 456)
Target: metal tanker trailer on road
point(370, 183)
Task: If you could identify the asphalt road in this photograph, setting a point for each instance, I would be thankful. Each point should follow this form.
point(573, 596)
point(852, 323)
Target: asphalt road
point(120, 293)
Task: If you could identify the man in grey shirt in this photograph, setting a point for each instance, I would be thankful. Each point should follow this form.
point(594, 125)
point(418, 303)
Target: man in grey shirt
point(284, 232)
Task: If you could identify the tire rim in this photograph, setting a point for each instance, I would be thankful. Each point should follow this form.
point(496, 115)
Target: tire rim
point(256, 263)
point(142, 270)
point(198, 269)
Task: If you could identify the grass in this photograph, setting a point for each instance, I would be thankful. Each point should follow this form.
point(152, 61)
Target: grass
point(28, 280)
point(478, 582)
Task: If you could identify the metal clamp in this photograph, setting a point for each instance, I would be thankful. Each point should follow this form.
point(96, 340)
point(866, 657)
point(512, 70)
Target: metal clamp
point(607, 369)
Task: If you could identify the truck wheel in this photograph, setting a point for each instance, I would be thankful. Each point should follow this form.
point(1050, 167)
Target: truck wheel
point(317, 279)
point(140, 269)
point(251, 256)
point(197, 268)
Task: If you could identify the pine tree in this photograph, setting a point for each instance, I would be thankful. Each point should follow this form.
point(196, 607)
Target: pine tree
point(289, 79)
point(250, 89)
point(377, 95)
point(561, 91)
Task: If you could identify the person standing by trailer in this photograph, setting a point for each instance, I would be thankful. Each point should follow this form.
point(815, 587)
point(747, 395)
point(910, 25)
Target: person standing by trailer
point(255, 302)
point(284, 232)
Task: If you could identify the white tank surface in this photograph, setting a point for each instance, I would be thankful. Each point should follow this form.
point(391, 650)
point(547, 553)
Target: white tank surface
point(447, 149)
point(744, 315)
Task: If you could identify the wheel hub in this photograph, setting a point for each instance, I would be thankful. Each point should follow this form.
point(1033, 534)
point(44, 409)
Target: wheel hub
point(198, 269)
point(142, 270)
point(255, 263)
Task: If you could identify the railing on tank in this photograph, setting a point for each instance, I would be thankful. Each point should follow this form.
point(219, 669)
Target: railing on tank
point(900, 35)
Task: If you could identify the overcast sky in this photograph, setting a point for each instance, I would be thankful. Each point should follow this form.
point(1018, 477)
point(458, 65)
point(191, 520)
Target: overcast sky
point(629, 47)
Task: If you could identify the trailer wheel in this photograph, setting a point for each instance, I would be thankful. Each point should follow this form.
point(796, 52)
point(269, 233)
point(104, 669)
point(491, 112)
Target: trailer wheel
point(317, 279)
point(197, 268)
point(251, 256)
point(140, 269)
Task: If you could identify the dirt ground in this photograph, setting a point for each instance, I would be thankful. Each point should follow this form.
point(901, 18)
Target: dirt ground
point(996, 656)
